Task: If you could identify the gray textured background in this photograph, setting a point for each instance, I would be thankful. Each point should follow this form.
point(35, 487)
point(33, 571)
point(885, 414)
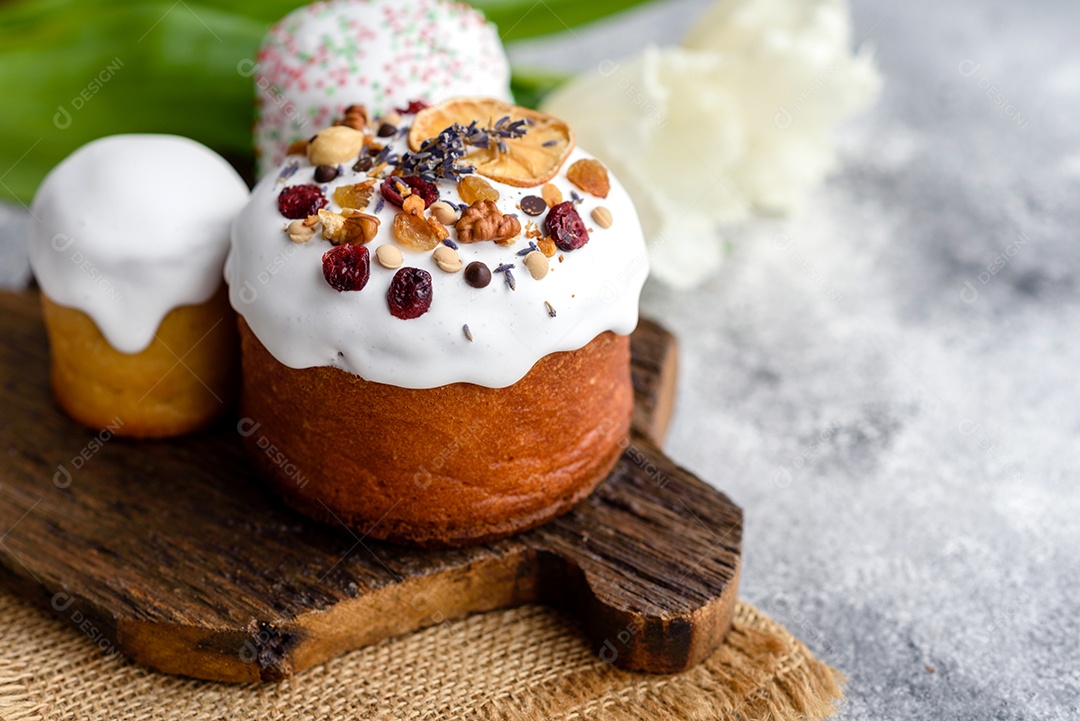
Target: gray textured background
point(906, 452)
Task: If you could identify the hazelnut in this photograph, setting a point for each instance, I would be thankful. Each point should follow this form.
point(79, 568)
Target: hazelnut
point(334, 145)
point(389, 256)
point(299, 231)
point(538, 264)
point(447, 259)
point(444, 212)
point(602, 216)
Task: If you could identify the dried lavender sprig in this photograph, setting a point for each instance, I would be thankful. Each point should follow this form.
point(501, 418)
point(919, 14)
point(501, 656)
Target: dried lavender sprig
point(450, 243)
point(388, 156)
point(504, 268)
point(438, 157)
point(288, 171)
point(526, 251)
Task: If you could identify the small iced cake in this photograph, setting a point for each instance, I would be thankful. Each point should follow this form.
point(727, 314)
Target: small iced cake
point(434, 323)
point(128, 245)
point(381, 54)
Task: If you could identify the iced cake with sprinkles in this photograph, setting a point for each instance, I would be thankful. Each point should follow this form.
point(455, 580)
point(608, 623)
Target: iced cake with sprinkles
point(382, 53)
point(435, 308)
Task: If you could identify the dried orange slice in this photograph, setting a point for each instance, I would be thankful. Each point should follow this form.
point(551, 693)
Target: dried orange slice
point(532, 159)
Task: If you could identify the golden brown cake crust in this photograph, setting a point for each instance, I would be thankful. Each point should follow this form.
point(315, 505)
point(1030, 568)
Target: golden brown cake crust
point(151, 394)
point(444, 466)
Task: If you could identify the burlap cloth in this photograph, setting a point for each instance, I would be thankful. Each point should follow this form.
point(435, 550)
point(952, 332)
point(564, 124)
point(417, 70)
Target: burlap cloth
point(527, 663)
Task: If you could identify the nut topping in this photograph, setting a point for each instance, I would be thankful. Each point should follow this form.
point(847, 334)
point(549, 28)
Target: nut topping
point(602, 216)
point(444, 212)
point(389, 256)
point(447, 259)
point(483, 221)
point(350, 227)
point(334, 145)
point(538, 264)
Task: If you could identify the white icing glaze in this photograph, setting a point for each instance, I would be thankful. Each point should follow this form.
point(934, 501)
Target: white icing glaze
point(279, 289)
point(325, 56)
point(130, 227)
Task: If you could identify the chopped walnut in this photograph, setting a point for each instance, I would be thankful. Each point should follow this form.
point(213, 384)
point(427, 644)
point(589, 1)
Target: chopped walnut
point(349, 227)
point(483, 221)
point(547, 246)
point(438, 228)
point(355, 117)
point(412, 204)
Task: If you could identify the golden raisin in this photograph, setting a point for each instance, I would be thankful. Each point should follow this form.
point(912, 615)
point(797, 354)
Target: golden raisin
point(591, 176)
point(355, 196)
point(473, 188)
point(551, 195)
point(414, 232)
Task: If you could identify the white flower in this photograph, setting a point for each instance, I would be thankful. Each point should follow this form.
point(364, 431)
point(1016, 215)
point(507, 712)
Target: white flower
point(736, 120)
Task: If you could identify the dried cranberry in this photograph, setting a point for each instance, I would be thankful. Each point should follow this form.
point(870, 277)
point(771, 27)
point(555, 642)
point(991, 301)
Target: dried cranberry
point(565, 227)
point(414, 107)
point(347, 267)
point(410, 293)
point(300, 201)
point(428, 191)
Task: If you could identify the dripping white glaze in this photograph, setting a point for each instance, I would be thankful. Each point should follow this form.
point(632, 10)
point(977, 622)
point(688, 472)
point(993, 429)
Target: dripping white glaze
point(129, 227)
point(279, 289)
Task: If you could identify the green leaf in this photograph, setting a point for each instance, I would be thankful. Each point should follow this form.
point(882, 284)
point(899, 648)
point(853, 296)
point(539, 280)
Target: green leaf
point(75, 70)
point(520, 19)
point(531, 86)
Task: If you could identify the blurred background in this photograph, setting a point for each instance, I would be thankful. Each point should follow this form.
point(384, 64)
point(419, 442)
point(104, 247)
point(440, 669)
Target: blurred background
point(885, 379)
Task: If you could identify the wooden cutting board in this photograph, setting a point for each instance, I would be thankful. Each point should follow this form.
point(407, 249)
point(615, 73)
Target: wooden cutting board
point(174, 553)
